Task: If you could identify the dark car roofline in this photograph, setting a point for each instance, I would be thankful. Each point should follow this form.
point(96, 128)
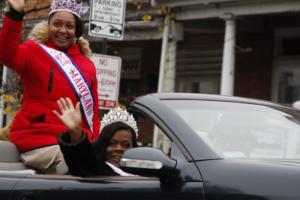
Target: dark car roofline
point(212, 97)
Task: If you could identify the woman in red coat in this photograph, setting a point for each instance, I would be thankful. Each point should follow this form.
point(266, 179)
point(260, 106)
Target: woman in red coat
point(52, 64)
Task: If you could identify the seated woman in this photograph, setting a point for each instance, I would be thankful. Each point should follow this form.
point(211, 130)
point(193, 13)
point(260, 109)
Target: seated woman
point(118, 133)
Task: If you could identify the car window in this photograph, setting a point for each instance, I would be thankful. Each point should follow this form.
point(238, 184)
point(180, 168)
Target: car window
point(238, 130)
point(151, 135)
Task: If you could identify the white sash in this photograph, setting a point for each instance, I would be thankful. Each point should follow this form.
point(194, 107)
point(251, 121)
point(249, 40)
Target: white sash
point(77, 81)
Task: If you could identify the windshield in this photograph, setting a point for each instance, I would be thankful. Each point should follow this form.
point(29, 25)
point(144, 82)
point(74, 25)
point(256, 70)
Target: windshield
point(238, 130)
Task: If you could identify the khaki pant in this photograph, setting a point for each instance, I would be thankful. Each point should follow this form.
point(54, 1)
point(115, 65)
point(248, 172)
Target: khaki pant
point(48, 160)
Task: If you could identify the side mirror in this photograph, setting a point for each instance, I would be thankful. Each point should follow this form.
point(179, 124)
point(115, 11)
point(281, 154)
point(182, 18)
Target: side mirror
point(147, 161)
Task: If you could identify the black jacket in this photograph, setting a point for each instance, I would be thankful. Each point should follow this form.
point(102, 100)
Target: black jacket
point(81, 158)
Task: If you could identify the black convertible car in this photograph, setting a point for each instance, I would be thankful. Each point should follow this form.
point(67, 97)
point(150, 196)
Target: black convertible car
point(204, 147)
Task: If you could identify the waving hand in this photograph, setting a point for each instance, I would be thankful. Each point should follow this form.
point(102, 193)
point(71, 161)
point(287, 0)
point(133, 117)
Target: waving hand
point(70, 117)
point(18, 5)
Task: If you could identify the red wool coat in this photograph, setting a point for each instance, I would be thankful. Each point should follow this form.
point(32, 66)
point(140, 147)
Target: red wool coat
point(35, 125)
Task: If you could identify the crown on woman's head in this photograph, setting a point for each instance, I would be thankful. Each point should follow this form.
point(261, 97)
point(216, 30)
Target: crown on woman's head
point(119, 115)
point(72, 6)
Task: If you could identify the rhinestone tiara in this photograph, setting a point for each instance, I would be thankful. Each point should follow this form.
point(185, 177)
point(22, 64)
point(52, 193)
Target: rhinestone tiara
point(72, 6)
point(119, 115)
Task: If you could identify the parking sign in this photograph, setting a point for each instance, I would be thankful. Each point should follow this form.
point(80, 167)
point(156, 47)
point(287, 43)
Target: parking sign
point(107, 19)
point(108, 77)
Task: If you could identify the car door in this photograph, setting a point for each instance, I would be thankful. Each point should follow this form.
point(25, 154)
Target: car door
point(44, 187)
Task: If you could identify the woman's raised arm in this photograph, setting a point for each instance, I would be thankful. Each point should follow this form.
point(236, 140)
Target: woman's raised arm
point(17, 5)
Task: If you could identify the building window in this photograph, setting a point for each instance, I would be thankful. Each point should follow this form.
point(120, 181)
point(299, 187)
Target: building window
point(195, 87)
point(286, 77)
point(289, 87)
point(290, 46)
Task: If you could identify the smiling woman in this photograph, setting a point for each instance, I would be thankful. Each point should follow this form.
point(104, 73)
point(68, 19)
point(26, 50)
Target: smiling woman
point(46, 63)
point(62, 29)
point(118, 133)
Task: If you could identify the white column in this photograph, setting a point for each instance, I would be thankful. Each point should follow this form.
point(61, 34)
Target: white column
point(164, 46)
point(228, 65)
point(170, 67)
point(167, 73)
point(167, 69)
point(157, 137)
